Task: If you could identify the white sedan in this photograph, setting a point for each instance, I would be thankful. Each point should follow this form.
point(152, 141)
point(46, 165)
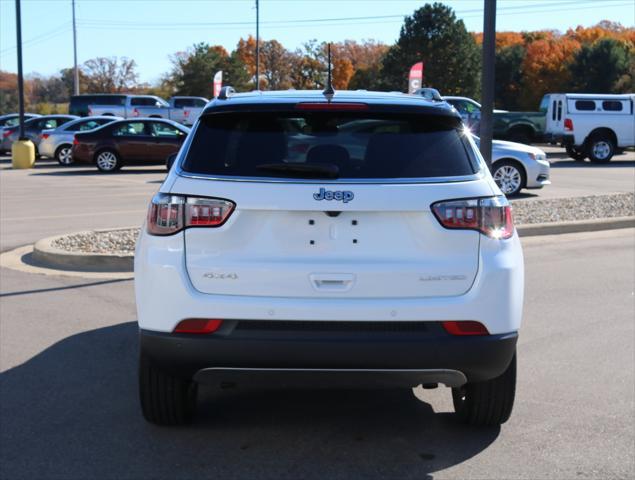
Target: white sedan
point(516, 166)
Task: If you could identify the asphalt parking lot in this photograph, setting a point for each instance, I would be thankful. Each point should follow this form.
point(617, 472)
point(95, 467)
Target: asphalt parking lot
point(68, 399)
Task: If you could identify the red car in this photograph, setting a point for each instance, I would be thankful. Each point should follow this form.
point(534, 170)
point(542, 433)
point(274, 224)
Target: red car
point(129, 142)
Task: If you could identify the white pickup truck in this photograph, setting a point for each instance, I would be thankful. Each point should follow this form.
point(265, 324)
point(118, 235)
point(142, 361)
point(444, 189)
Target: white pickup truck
point(184, 110)
point(590, 125)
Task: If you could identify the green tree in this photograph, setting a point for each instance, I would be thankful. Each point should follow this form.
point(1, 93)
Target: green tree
point(193, 71)
point(451, 57)
point(601, 67)
point(509, 74)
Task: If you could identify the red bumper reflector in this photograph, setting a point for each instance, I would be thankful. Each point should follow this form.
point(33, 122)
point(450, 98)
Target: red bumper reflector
point(198, 325)
point(465, 328)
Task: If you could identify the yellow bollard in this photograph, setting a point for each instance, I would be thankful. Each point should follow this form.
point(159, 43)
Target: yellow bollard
point(23, 154)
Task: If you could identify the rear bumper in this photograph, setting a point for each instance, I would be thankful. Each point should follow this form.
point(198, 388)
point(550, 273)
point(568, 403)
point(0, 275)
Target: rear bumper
point(81, 154)
point(330, 356)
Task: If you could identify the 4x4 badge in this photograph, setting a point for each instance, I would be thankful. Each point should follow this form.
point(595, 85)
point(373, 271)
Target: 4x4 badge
point(339, 195)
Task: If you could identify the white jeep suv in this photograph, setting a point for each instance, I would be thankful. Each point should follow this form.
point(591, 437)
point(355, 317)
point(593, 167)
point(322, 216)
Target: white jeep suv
point(352, 240)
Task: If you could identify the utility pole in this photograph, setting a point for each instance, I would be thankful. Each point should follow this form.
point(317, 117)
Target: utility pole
point(76, 71)
point(257, 45)
point(487, 79)
point(18, 29)
point(22, 150)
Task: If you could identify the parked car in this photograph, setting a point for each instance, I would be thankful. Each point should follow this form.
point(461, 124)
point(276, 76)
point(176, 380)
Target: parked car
point(58, 142)
point(184, 110)
point(516, 166)
point(8, 121)
point(521, 127)
point(590, 125)
point(397, 264)
point(12, 119)
point(129, 142)
point(33, 128)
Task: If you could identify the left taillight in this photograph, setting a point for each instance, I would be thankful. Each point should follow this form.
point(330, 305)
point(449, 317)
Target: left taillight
point(6, 133)
point(169, 214)
point(491, 216)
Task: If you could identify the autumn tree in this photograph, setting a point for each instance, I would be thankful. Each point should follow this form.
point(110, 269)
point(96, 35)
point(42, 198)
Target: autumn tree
point(545, 69)
point(598, 68)
point(310, 66)
point(434, 35)
point(110, 74)
point(359, 60)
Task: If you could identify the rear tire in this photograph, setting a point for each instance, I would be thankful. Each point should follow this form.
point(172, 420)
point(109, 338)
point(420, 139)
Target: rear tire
point(487, 403)
point(63, 155)
point(520, 135)
point(578, 154)
point(107, 161)
point(601, 148)
point(165, 399)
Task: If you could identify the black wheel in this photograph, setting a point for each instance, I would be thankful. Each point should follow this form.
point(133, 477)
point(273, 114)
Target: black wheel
point(509, 176)
point(601, 148)
point(165, 399)
point(578, 154)
point(520, 135)
point(487, 403)
point(63, 155)
point(107, 161)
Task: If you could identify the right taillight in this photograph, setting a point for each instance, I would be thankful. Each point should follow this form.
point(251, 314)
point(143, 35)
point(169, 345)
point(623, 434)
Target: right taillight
point(491, 216)
point(75, 141)
point(568, 124)
point(169, 214)
point(6, 133)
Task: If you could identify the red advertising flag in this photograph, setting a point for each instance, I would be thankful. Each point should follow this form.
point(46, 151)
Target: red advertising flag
point(218, 82)
point(415, 79)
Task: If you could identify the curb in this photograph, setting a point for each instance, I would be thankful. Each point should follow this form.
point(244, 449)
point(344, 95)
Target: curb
point(557, 228)
point(46, 255)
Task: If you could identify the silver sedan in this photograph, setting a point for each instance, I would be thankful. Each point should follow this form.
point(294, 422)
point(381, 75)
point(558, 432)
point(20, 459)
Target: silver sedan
point(516, 166)
point(58, 142)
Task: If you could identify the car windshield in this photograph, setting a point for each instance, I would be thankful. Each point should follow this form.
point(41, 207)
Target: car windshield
point(346, 145)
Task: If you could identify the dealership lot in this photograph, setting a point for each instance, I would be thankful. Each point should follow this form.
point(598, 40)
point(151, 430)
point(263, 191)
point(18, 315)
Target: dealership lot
point(69, 408)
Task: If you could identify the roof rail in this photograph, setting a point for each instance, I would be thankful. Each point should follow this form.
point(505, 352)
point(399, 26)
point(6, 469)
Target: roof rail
point(226, 92)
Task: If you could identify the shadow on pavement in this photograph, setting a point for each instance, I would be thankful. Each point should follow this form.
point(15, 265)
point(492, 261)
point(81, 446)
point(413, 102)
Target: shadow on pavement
point(82, 171)
point(72, 412)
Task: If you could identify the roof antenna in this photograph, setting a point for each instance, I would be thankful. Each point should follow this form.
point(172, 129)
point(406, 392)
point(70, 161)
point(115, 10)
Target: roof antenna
point(329, 91)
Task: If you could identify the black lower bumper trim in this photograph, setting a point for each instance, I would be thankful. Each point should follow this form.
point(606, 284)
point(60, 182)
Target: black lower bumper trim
point(477, 357)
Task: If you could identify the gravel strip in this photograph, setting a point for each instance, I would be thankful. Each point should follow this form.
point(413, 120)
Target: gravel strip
point(120, 242)
point(576, 208)
point(526, 212)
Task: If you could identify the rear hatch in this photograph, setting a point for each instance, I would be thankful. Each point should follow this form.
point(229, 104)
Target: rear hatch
point(331, 204)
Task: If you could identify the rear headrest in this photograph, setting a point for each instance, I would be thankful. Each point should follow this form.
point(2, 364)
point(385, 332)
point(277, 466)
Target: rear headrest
point(334, 154)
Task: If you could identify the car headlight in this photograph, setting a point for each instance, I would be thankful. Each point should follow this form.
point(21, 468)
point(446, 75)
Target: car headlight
point(537, 156)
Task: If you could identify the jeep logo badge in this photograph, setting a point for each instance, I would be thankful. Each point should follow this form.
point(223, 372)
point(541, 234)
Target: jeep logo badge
point(338, 195)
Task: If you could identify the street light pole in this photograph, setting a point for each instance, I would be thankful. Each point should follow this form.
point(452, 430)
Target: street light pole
point(18, 28)
point(487, 78)
point(76, 71)
point(257, 45)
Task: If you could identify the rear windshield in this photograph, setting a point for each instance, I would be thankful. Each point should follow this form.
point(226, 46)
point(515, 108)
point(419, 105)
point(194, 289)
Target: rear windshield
point(346, 145)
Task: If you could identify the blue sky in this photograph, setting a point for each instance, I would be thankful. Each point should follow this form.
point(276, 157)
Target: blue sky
point(150, 30)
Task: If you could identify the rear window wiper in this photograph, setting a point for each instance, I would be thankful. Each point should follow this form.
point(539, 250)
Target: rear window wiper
point(302, 170)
